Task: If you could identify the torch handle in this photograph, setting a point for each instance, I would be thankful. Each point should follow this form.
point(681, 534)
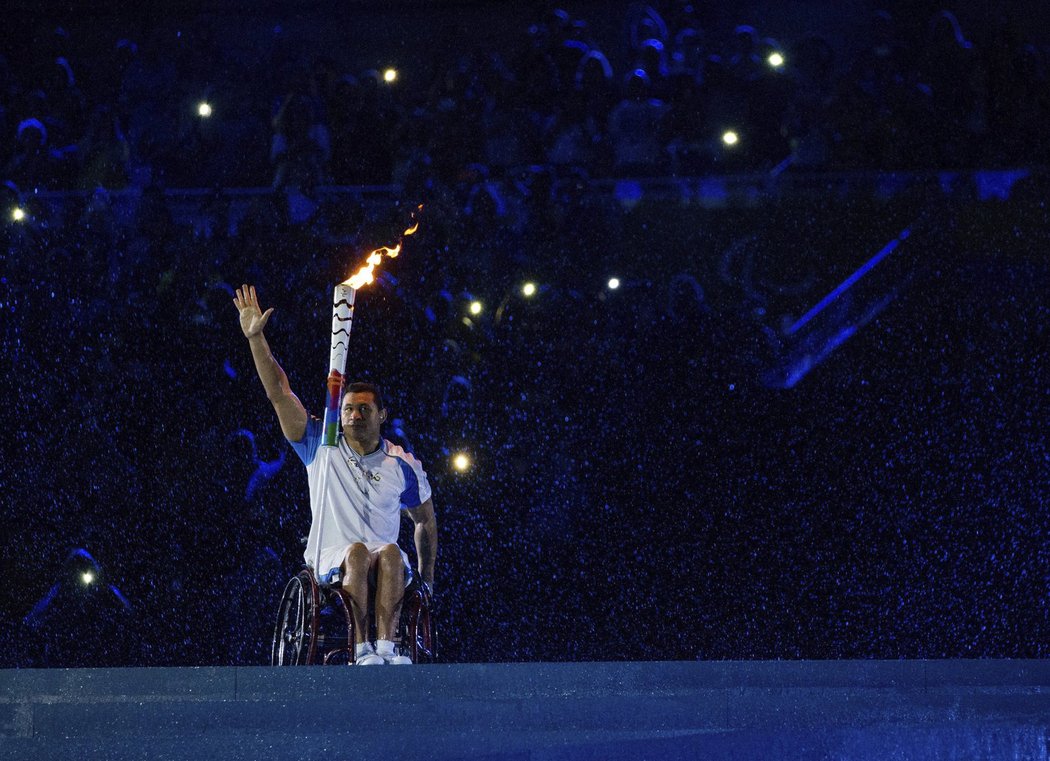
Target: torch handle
point(342, 321)
point(331, 410)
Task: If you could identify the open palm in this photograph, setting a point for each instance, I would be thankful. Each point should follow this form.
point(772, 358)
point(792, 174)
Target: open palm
point(253, 319)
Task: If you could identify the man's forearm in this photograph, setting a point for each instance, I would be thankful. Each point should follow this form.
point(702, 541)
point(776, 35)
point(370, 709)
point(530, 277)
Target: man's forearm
point(273, 378)
point(426, 539)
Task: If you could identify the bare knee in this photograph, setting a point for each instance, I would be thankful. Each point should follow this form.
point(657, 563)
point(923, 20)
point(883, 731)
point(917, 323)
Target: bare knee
point(390, 565)
point(390, 557)
point(356, 561)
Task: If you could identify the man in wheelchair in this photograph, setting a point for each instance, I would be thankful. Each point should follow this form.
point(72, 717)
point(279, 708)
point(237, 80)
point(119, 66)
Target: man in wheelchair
point(370, 480)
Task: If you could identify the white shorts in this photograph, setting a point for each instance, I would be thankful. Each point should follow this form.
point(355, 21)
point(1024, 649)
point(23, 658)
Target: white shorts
point(332, 560)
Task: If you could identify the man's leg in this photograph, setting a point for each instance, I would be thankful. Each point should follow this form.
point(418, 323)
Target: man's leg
point(390, 591)
point(355, 584)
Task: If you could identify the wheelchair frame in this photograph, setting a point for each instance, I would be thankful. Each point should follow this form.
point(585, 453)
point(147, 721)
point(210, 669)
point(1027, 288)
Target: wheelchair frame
point(304, 635)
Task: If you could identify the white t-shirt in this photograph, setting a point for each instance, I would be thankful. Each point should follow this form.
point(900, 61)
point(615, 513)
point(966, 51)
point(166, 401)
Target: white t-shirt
point(363, 496)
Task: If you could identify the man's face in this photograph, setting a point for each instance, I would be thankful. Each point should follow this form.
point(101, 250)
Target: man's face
point(360, 417)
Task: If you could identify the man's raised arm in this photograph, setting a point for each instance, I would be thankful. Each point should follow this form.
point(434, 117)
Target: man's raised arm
point(290, 411)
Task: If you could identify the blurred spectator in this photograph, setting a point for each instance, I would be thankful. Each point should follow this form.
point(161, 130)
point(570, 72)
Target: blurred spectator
point(364, 120)
point(634, 126)
point(744, 62)
point(83, 620)
point(32, 162)
point(104, 151)
point(301, 145)
point(652, 59)
point(685, 129)
point(951, 66)
point(644, 23)
point(511, 125)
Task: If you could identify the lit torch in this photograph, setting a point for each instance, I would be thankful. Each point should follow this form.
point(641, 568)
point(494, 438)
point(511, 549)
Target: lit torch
point(342, 321)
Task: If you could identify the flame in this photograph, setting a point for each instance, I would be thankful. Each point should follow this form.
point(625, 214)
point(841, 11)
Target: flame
point(366, 274)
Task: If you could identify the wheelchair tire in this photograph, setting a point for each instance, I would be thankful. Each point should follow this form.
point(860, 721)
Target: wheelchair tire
point(419, 633)
point(339, 648)
point(295, 633)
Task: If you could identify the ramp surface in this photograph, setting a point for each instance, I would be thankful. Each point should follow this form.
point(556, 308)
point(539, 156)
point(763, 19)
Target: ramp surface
point(531, 711)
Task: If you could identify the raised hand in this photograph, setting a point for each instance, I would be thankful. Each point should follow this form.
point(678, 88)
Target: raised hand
point(253, 319)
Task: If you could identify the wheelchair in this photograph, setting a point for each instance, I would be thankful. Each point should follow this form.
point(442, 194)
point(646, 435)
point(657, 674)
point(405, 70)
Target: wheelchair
point(315, 624)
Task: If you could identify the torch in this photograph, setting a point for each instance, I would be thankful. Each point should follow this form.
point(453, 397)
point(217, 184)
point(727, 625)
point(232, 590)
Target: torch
point(342, 320)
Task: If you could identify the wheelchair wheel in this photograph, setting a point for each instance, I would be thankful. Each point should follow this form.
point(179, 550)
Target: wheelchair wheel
point(418, 632)
point(295, 634)
point(336, 643)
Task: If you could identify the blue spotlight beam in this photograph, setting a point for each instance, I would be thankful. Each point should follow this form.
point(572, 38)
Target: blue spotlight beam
point(846, 284)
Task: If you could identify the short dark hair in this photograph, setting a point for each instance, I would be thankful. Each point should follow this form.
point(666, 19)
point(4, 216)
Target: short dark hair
point(360, 387)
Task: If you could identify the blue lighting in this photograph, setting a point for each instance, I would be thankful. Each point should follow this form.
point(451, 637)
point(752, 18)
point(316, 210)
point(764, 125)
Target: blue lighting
point(846, 284)
point(628, 192)
point(997, 184)
point(713, 191)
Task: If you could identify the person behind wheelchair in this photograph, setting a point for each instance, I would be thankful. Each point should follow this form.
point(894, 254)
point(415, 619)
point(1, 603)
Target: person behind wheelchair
point(357, 520)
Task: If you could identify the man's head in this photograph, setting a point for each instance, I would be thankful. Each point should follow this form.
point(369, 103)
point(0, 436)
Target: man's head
point(362, 412)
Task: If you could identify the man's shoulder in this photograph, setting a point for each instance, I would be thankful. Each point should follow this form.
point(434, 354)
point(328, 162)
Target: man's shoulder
point(306, 447)
point(396, 450)
point(416, 483)
point(313, 426)
point(400, 453)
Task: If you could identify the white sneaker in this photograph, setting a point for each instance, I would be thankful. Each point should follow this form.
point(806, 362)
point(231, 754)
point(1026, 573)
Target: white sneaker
point(396, 660)
point(369, 658)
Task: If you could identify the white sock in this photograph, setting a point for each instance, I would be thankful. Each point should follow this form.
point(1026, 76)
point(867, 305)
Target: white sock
point(362, 648)
point(384, 647)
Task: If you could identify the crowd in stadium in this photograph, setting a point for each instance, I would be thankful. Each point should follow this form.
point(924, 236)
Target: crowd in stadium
point(136, 405)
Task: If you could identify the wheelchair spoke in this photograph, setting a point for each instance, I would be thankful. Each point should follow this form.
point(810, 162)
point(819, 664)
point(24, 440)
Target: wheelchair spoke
point(291, 637)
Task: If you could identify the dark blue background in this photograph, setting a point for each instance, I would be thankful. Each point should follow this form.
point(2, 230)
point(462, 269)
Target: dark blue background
point(667, 470)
